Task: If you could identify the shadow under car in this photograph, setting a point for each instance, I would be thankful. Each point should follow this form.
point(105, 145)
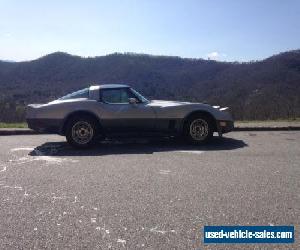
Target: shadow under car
point(137, 146)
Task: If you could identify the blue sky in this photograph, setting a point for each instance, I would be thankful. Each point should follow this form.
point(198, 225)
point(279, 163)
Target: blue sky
point(229, 30)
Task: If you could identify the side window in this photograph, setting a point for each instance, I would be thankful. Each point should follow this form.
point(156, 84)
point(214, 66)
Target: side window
point(115, 95)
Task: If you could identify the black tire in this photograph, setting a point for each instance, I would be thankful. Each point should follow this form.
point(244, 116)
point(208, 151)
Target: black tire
point(82, 131)
point(199, 129)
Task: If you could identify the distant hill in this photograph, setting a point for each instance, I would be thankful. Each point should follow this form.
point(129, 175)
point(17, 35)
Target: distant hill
point(267, 89)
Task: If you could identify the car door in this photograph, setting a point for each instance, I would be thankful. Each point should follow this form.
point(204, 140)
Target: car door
point(118, 115)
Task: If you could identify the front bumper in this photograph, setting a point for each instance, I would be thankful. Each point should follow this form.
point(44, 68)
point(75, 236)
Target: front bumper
point(225, 126)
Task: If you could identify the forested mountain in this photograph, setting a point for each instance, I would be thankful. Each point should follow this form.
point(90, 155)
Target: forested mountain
point(266, 89)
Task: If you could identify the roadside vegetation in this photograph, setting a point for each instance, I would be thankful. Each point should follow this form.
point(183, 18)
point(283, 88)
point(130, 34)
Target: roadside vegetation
point(265, 121)
point(13, 125)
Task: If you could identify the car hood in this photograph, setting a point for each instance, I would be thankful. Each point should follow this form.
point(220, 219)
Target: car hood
point(165, 104)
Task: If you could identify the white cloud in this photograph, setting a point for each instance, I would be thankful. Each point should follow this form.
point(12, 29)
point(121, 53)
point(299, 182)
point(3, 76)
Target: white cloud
point(7, 34)
point(215, 55)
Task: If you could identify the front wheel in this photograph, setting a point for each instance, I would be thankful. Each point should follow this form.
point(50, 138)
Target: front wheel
point(81, 132)
point(199, 129)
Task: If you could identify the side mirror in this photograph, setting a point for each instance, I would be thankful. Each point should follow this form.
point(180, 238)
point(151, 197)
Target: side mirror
point(133, 101)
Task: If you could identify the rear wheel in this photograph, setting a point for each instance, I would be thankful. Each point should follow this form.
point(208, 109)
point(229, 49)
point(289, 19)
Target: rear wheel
point(199, 129)
point(82, 132)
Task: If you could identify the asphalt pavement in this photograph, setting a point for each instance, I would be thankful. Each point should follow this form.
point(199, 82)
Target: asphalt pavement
point(145, 195)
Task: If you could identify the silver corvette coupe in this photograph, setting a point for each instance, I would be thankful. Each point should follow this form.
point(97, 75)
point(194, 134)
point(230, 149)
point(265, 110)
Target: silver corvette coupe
point(115, 110)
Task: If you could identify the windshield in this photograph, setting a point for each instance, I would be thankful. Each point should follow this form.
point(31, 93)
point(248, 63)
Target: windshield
point(142, 98)
point(83, 93)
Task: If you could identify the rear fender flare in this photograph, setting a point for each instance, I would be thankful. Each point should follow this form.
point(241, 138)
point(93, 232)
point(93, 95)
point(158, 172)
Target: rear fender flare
point(63, 126)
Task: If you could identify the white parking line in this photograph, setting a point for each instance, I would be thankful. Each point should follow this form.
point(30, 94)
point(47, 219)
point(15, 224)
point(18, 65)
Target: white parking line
point(22, 149)
point(39, 156)
point(198, 152)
